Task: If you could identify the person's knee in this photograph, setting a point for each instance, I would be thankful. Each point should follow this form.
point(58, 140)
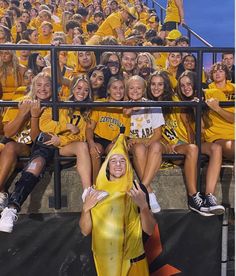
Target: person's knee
point(82, 148)
point(192, 150)
point(139, 150)
point(215, 149)
point(10, 149)
point(155, 148)
point(36, 166)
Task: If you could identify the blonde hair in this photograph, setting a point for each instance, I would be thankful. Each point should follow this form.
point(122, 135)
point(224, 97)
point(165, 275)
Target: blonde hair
point(32, 92)
point(137, 78)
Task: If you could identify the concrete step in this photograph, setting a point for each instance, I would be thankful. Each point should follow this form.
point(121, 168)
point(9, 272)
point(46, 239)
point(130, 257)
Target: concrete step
point(168, 185)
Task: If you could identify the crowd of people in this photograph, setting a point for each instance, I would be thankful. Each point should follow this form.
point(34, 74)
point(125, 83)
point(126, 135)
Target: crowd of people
point(83, 76)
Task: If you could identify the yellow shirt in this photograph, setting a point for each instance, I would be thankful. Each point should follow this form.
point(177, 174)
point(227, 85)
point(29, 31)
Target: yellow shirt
point(109, 121)
point(172, 12)
point(46, 124)
point(23, 135)
point(109, 26)
point(174, 131)
point(219, 128)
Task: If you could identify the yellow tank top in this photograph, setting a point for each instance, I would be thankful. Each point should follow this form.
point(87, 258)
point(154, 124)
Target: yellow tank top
point(172, 12)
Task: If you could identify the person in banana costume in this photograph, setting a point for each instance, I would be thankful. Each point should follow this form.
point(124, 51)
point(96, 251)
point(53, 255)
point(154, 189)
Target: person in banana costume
point(116, 212)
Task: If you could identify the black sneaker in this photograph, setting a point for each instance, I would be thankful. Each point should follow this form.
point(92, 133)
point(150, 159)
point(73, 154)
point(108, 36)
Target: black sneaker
point(195, 202)
point(210, 205)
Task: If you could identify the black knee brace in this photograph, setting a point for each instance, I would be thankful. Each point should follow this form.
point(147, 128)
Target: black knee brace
point(23, 188)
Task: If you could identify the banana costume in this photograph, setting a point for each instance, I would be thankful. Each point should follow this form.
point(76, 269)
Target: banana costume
point(117, 230)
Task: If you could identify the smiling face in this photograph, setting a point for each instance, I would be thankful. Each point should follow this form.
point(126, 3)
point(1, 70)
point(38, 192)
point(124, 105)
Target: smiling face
point(117, 166)
point(85, 59)
point(219, 75)
point(186, 86)
point(40, 61)
point(189, 63)
point(135, 89)
point(128, 61)
point(157, 86)
point(116, 91)
point(43, 89)
point(81, 90)
point(113, 64)
point(97, 79)
point(174, 59)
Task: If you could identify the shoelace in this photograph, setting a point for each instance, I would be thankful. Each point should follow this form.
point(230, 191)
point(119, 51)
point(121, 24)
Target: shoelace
point(9, 216)
point(197, 199)
point(212, 199)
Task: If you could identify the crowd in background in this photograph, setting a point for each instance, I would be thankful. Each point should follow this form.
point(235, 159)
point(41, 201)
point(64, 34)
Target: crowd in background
point(88, 134)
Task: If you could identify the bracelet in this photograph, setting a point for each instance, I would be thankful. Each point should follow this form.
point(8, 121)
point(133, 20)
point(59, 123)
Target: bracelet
point(34, 117)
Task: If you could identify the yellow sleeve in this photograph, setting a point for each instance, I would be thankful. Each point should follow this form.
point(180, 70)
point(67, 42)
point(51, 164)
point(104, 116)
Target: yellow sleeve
point(10, 115)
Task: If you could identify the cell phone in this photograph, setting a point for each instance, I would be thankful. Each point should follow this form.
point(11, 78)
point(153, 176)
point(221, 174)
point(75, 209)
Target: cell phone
point(43, 137)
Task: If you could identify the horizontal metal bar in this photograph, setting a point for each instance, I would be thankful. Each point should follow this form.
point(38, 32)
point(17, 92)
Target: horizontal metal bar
point(115, 48)
point(118, 104)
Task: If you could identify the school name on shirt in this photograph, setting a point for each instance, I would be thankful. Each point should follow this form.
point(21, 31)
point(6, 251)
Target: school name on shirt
point(109, 120)
point(146, 133)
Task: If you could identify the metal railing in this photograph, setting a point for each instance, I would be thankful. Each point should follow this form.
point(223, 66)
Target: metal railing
point(56, 104)
point(155, 5)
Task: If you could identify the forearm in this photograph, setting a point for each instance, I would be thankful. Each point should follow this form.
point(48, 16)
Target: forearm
point(228, 116)
point(147, 220)
point(85, 223)
point(13, 127)
point(35, 130)
point(89, 135)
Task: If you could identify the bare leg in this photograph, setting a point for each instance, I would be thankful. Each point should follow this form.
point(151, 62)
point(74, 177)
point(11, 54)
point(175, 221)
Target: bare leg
point(96, 161)
point(190, 165)
point(153, 163)
point(214, 151)
point(228, 148)
point(83, 163)
point(139, 152)
point(8, 159)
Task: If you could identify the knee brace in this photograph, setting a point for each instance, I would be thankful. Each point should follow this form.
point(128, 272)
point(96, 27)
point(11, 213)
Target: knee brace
point(23, 188)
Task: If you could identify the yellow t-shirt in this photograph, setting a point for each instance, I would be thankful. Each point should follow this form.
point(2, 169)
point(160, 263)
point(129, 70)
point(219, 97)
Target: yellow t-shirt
point(172, 12)
point(174, 131)
point(109, 26)
point(219, 128)
point(109, 121)
point(46, 124)
point(23, 135)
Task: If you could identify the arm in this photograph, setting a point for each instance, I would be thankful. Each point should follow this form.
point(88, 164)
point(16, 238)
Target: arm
point(89, 132)
point(35, 112)
point(147, 220)
point(214, 105)
point(12, 127)
point(85, 221)
point(120, 35)
point(179, 4)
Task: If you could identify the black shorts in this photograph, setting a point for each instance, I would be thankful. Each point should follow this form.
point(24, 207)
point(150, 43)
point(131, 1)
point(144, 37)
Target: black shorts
point(102, 141)
point(169, 26)
point(45, 152)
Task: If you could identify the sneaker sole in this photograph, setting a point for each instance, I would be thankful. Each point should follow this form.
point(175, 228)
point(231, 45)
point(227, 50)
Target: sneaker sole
point(200, 212)
point(6, 229)
point(154, 211)
point(215, 211)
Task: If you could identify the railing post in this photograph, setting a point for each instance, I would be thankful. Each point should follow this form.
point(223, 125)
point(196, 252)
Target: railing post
point(57, 180)
point(198, 115)
point(54, 64)
point(55, 116)
point(189, 36)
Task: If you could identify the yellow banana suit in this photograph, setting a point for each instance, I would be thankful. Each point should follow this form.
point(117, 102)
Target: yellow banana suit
point(117, 230)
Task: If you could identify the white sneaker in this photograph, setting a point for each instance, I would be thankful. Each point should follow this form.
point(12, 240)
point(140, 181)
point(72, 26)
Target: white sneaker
point(8, 217)
point(155, 207)
point(3, 200)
